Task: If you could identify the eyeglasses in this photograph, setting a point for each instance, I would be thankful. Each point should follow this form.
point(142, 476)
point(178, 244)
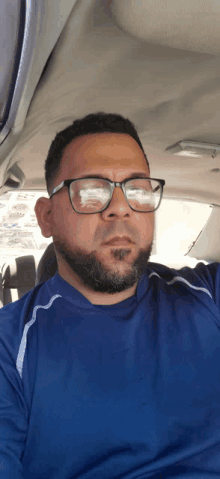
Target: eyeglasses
point(93, 195)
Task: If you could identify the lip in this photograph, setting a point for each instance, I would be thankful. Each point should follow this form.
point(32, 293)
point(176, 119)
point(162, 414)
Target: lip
point(119, 241)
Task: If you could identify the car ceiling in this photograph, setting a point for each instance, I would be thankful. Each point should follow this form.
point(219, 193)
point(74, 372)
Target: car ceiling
point(155, 62)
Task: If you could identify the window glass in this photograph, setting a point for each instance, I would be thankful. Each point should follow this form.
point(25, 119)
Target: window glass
point(178, 223)
point(20, 234)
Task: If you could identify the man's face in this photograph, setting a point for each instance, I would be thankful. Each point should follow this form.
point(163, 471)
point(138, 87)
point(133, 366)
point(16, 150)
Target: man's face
point(82, 240)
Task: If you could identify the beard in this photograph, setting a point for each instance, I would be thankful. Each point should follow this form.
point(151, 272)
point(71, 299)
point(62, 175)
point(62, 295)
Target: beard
point(97, 276)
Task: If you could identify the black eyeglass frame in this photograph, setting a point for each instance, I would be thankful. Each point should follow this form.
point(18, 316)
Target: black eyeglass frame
point(112, 184)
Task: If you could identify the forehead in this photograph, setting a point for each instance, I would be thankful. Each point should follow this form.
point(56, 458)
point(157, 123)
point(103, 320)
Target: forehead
point(100, 153)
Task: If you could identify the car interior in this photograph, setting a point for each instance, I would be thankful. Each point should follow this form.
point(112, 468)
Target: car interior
point(154, 62)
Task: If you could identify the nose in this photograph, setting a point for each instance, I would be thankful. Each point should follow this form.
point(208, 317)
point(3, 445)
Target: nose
point(118, 205)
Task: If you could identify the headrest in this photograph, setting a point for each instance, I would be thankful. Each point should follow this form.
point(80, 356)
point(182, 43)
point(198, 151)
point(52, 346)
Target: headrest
point(47, 266)
point(20, 272)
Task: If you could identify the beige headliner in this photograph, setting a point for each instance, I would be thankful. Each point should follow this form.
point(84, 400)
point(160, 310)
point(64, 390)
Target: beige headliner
point(156, 63)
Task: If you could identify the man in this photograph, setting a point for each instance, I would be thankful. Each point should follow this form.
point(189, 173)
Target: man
point(101, 254)
point(110, 369)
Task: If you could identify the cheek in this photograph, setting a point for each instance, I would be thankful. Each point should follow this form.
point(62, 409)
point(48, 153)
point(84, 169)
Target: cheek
point(63, 222)
point(146, 228)
point(79, 230)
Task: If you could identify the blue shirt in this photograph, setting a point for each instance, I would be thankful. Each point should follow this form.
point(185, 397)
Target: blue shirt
point(129, 391)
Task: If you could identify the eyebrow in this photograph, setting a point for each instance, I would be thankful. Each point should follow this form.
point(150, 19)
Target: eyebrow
point(138, 174)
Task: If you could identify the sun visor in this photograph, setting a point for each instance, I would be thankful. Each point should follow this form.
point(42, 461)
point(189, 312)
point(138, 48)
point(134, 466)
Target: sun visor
point(191, 25)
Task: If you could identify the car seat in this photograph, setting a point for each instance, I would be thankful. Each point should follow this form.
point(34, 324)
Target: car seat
point(23, 273)
point(47, 266)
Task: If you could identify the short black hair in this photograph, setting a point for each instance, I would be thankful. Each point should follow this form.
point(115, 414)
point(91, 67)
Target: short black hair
point(99, 122)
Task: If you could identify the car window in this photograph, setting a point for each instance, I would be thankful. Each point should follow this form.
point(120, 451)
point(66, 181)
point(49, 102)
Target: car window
point(177, 225)
point(20, 234)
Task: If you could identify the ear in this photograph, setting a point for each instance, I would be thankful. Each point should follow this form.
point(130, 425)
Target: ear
point(43, 211)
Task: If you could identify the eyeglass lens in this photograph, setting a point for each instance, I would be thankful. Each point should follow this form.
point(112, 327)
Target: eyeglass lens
point(92, 195)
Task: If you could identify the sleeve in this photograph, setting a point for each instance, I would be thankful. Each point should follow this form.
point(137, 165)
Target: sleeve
point(13, 408)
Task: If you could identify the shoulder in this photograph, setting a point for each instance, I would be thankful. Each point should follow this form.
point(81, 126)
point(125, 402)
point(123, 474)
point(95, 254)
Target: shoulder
point(14, 316)
point(202, 278)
